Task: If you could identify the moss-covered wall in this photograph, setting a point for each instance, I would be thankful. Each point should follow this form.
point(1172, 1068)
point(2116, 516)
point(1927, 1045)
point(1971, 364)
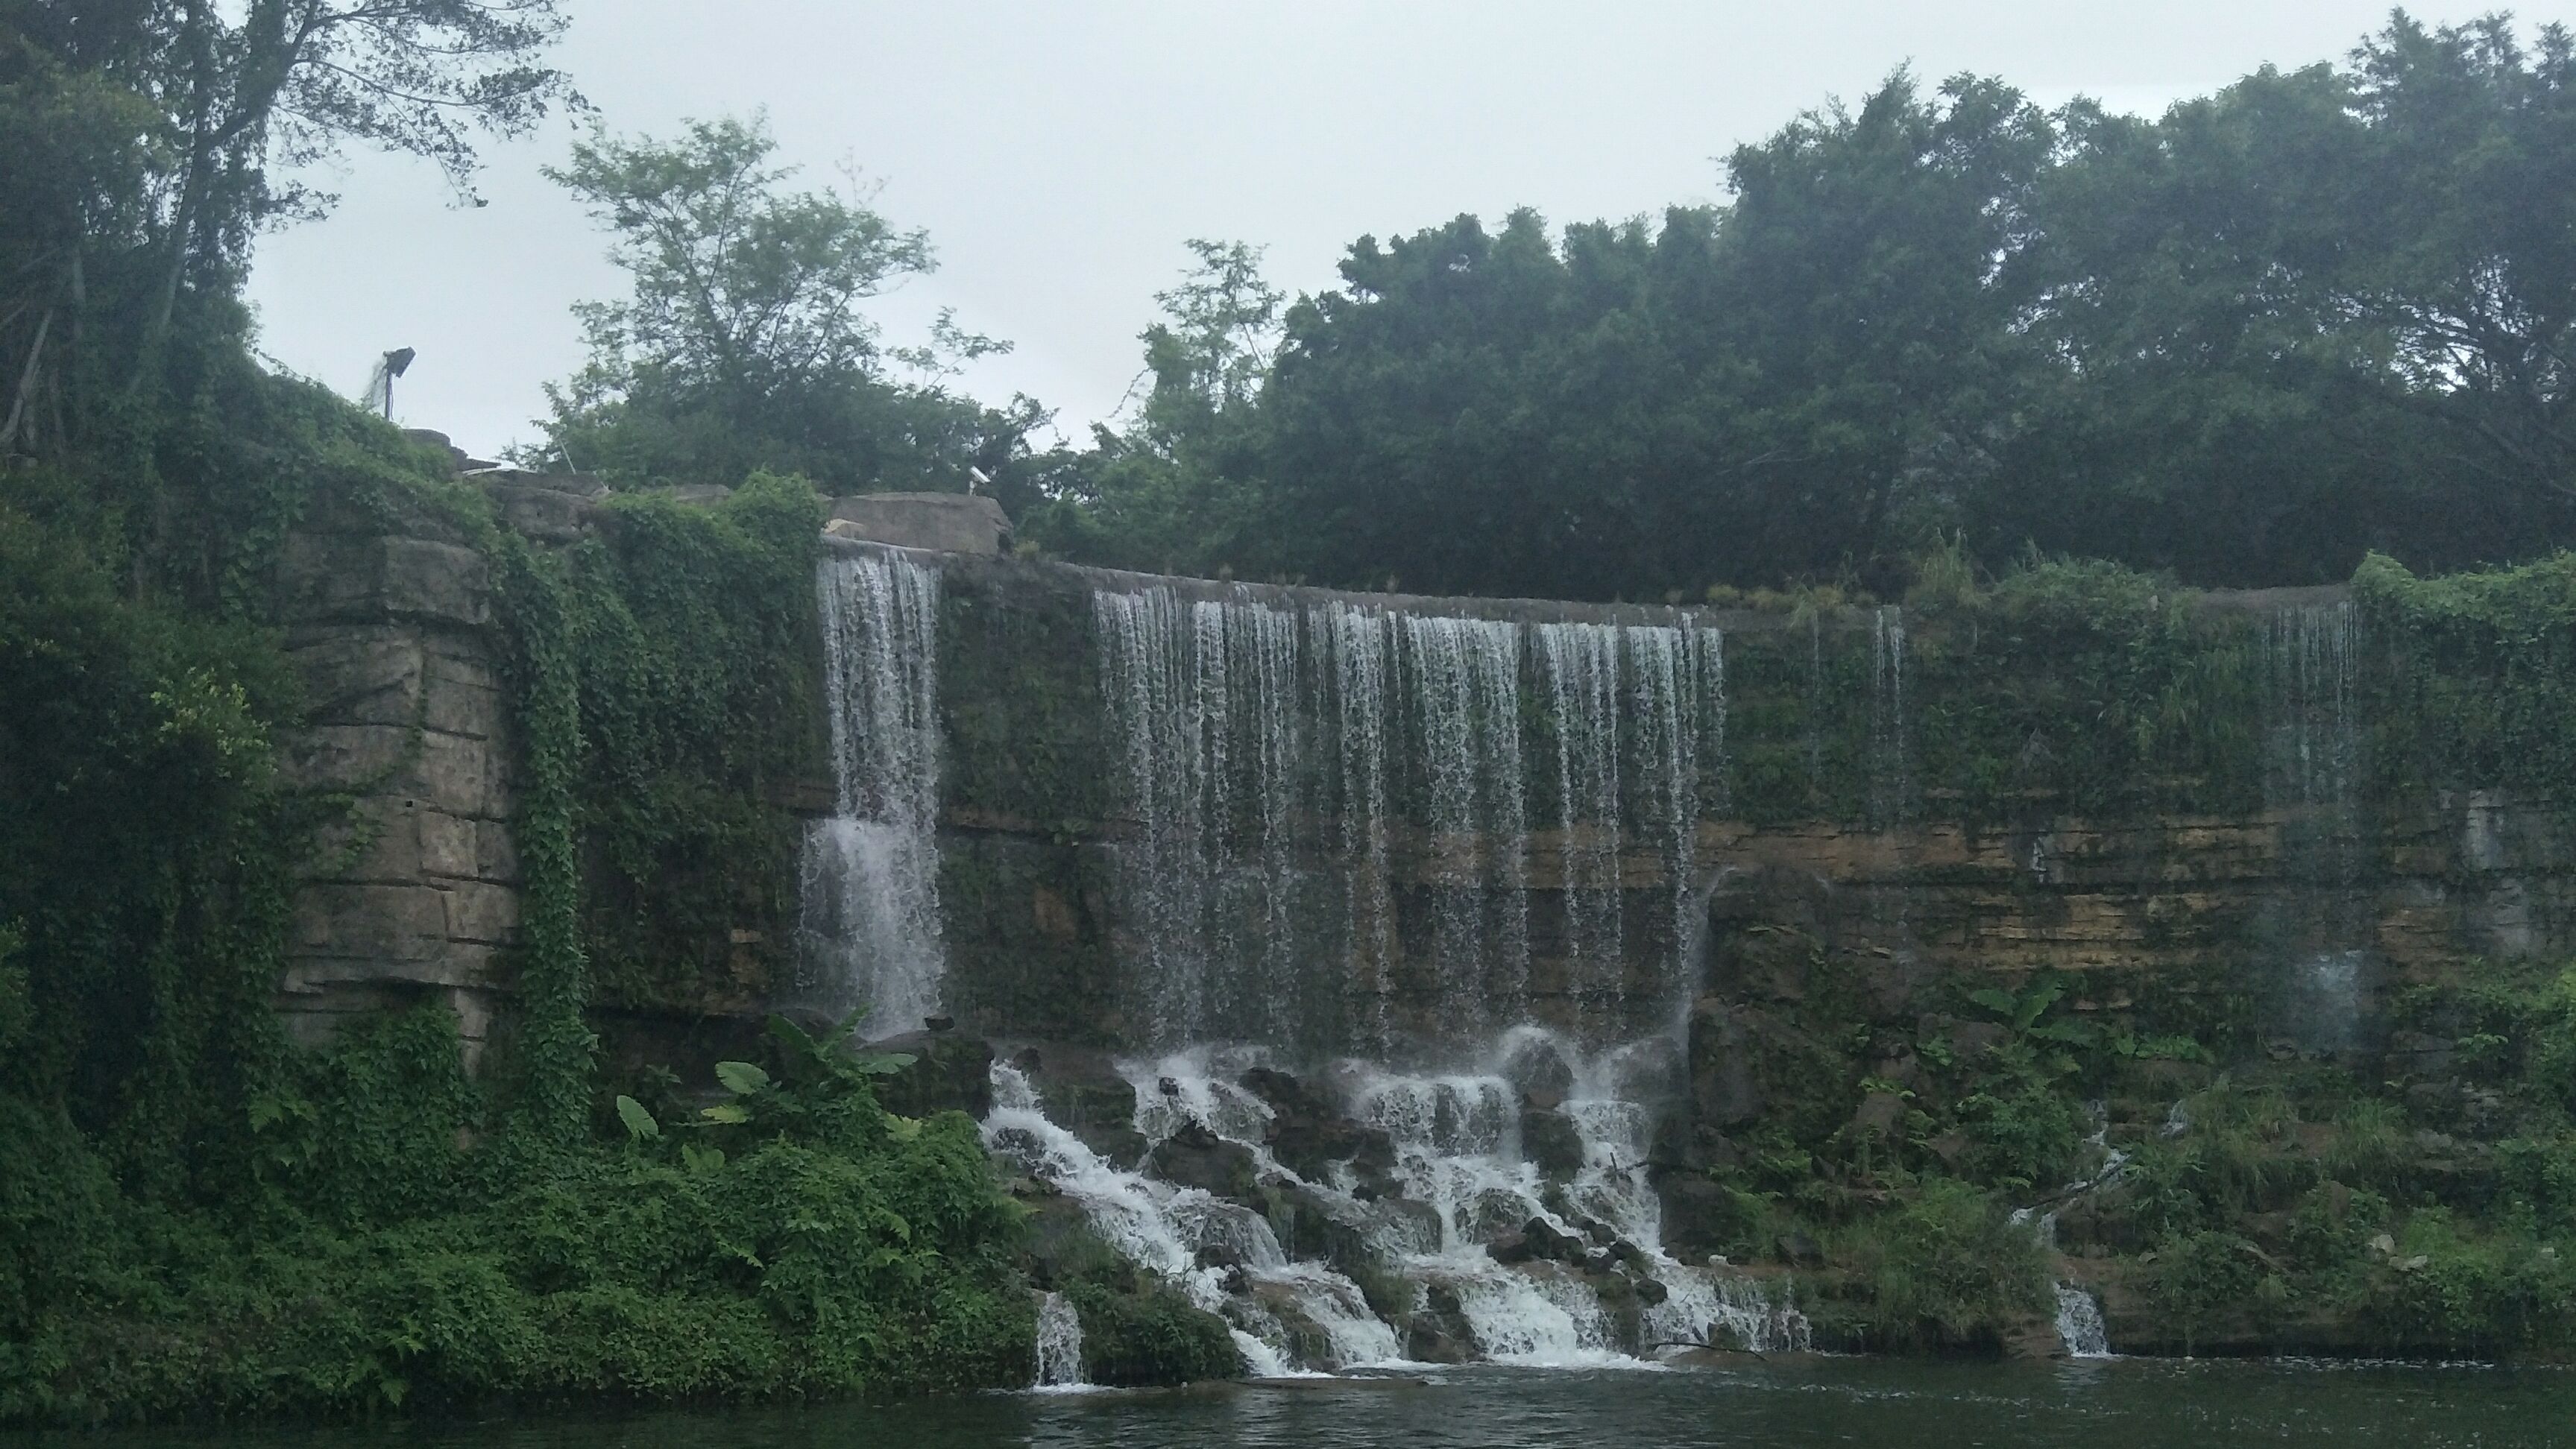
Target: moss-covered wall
point(2075, 768)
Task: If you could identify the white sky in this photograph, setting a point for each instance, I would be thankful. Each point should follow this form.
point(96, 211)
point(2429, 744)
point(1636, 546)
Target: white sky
point(1059, 153)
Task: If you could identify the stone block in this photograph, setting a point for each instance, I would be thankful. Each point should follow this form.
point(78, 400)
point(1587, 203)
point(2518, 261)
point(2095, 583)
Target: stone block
point(458, 774)
point(347, 756)
point(481, 912)
point(496, 851)
point(368, 580)
point(447, 845)
point(442, 581)
point(363, 675)
point(459, 707)
point(548, 515)
point(948, 522)
point(390, 925)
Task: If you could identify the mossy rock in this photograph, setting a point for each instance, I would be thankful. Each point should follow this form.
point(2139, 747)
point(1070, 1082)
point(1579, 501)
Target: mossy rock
point(1151, 1337)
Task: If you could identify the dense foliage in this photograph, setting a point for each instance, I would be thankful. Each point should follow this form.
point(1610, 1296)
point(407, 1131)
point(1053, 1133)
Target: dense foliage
point(741, 347)
point(2317, 313)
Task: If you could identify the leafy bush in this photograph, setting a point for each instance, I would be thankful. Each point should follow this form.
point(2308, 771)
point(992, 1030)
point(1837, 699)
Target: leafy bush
point(1947, 1269)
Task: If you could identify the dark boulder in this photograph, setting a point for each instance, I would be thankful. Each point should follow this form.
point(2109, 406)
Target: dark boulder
point(949, 1072)
point(1309, 1133)
point(1550, 1142)
point(1196, 1157)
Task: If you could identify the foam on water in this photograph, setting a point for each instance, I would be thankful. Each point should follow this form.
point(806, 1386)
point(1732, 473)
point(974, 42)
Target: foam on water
point(1458, 1154)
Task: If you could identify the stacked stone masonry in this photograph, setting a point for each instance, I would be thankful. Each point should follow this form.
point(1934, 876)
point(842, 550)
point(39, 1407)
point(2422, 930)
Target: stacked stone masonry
point(418, 895)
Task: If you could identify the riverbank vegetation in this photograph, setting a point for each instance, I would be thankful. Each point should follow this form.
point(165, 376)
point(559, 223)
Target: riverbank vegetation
point(1934, 344)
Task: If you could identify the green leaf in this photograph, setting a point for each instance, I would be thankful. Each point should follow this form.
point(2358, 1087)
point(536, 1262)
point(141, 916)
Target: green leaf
point(639, 1123)
point(902, 1129)
point(741, 1078)
point(881, 1064)
point(701, 1159)
point(2037, 1002)
point(803, 1057)
point(725, 1112)
point(1998, 1002)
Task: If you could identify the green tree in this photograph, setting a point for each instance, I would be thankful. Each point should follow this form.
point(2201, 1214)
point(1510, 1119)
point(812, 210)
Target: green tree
point(142, 135)
point(1163, 491)
point(743, 345)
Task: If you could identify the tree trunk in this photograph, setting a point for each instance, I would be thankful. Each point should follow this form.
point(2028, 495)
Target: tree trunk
point(26, 383)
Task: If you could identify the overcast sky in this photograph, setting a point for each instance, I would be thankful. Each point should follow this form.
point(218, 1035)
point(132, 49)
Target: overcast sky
point(1060, 153)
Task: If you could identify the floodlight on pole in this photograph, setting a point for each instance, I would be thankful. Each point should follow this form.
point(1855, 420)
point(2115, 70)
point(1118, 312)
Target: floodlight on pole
point(395, 364)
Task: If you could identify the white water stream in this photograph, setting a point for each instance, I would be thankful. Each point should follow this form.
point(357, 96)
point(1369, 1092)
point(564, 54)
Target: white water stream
point(1458, 1155)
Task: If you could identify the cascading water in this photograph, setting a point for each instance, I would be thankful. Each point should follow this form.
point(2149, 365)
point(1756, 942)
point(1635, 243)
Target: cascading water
point(1369, 835)
point(1891, 771)
point(1059, 1343)
point(1331, 813)
point(2079, 1324)
point(869, 922)
point(2312, 783)
point(1462, 1181)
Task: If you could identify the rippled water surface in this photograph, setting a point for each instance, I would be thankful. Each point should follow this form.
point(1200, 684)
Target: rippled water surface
point(2097, 1406)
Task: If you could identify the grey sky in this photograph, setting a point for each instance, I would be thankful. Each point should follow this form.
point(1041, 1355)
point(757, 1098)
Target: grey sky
point(1060, 153)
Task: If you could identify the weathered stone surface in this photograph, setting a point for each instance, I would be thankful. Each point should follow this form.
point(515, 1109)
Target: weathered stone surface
point(482, 913)
point(363, 675)
point(948, 522)
point(537, 505)
point(388, 923)
point(416, 892)
point(359, 579)
point(950, 1071)
point(1551, 1143)
point(1196, 1157)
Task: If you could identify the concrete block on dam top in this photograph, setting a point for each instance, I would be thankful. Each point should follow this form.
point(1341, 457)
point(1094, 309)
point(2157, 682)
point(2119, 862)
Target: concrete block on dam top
point(947, 522)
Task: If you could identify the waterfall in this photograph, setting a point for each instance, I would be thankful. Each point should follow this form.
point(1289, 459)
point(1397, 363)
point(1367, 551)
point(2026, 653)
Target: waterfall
point(1465, 678)
point(1329, 812)
point(1363, 648)
point(1462, 1179)
point(2312, 778)
point(1581, 663)
point(1891, 770)
point(1059, 1344)
point(869, 913)
point(2079, 1324)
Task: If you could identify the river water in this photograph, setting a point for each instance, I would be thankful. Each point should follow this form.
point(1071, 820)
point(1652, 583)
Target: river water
point(2112, 1405)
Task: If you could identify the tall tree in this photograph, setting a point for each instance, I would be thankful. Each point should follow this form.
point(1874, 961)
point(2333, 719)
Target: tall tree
point(144, 134)
point(743, 343)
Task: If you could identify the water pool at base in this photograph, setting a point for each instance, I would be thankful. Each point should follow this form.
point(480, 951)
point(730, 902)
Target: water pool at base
point(2111, 1405)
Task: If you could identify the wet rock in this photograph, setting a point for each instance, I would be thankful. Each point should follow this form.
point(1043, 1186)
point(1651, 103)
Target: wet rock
point(948, 1073)
point(1438, 1333)
point(1086, 1095)
point(1546, 1241)
point(1652, 1292)
point(1601, 1233)
point(1599, 1260)
point(1196, 1157)
point(1699, 1215)
point(1537, 1070)
point(1797, 1248)
point(1308, 1132)
point(1550, 1141)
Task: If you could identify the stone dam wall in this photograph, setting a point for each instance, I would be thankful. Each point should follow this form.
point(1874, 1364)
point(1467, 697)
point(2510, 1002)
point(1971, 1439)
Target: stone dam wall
point(1145, 811)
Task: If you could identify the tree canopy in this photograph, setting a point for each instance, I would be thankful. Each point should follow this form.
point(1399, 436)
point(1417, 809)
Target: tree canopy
point(743, 345)
point(2318, 312)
